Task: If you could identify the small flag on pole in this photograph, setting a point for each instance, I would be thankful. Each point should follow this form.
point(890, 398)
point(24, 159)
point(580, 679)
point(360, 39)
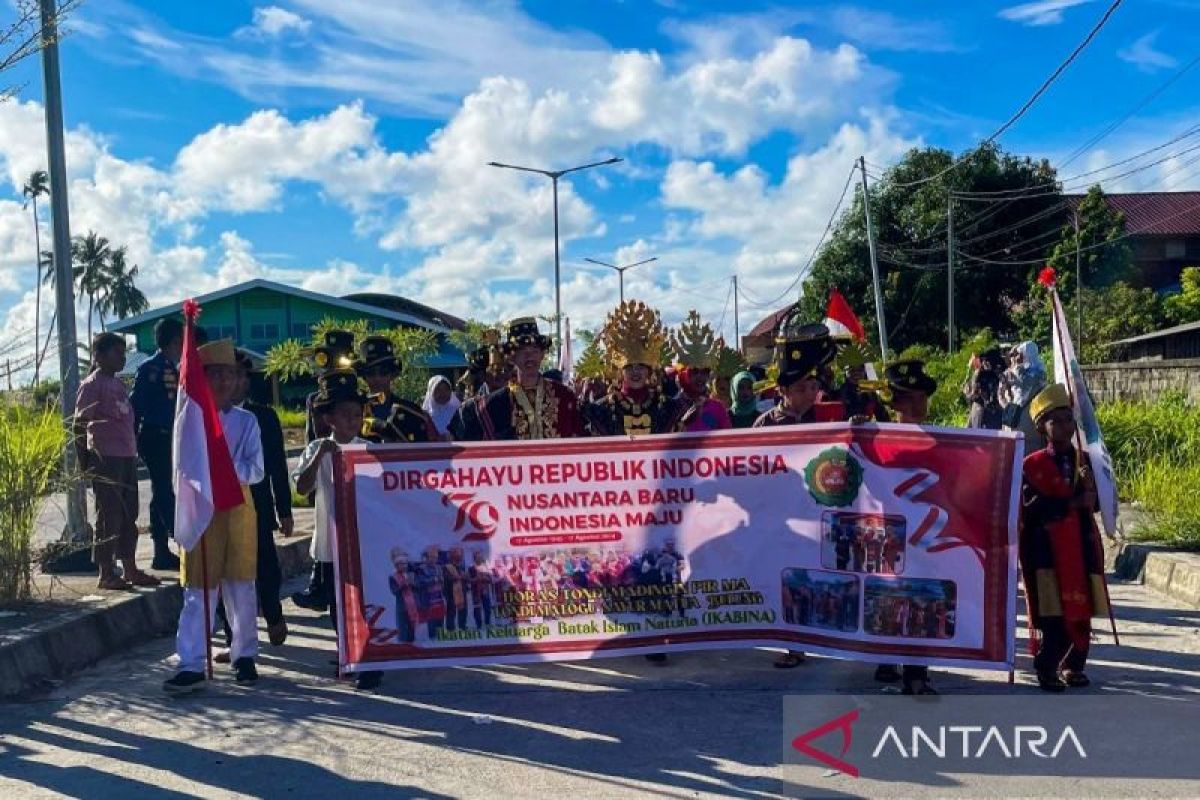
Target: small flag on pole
point(841, 319)
point(204, 478)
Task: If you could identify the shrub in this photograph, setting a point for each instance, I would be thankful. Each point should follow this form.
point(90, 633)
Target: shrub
point(290, 417)
point(31, 447)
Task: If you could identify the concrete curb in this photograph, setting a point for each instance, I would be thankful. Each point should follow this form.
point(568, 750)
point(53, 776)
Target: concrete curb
point(65, 646)
point(1173, 573)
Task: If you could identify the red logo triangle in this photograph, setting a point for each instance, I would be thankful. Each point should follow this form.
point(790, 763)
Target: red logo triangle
point(843, 723)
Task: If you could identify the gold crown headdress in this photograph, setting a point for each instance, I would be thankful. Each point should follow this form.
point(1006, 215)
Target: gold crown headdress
point(633, 334)
point(729, 361)
point(852, 354)
point(693, 343)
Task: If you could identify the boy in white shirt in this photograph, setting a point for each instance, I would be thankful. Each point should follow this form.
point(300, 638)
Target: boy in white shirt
point(340, 403)
point(230, 542)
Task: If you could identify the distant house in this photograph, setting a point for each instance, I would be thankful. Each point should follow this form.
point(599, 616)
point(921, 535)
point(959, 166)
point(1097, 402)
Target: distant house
point(1181, 341)
point(259, 314)
point(1163, 230)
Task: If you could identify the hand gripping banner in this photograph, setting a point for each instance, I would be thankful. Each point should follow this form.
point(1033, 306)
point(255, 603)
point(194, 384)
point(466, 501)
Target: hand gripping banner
point(883, 543)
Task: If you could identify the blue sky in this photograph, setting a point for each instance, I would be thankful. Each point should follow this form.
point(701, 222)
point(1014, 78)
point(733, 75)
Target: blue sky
point(341, 146)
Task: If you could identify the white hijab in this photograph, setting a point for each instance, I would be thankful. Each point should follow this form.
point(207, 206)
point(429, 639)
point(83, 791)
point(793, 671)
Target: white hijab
point(442, 413)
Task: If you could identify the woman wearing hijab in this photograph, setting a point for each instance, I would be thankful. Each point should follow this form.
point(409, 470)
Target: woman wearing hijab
point(1021, 383)
point(440, 403)
point(744, 409)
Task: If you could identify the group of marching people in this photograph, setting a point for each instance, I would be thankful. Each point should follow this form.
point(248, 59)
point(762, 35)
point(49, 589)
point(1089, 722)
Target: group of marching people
point(660, 381)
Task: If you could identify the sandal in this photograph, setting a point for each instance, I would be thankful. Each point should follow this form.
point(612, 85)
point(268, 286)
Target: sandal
point(1049, 682)
point(113, 583)
point(140, 578)
point(789, 660)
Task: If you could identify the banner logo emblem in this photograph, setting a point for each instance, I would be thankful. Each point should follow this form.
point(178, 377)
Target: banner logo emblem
point(834, 477)
point(844, 723)
point(479, 517)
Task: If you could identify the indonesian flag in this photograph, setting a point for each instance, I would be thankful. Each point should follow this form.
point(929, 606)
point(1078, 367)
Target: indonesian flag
point(565, 362)
point(205, 481)
point(840, 319)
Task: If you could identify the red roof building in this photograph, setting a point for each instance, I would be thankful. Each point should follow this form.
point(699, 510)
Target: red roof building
point(1163, 230)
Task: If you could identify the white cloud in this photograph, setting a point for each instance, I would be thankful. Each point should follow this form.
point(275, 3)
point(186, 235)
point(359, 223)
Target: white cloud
point(1145, 56)
point(1041, 12)
point(879, 30)
point(272, 21)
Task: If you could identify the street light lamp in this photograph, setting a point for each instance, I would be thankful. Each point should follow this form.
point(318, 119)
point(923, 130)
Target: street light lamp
point(621, 270)
point(554, 175)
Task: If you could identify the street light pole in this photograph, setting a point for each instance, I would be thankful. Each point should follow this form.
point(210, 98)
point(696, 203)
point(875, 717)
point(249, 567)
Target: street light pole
point(554, 175)
point(621, 270)
point(64, 295)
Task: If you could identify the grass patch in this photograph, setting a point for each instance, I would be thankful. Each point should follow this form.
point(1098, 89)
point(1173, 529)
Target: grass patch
point(31, 449)
point(290, 417)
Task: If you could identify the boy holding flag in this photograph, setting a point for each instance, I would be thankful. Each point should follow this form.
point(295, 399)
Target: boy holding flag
point(218, 454)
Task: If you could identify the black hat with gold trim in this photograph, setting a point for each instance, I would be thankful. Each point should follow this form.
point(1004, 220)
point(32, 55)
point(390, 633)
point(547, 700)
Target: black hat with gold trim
point(803, 353)
point(377, 352)
point(335, 386)
point(523, 332)
point(909, 376)
point(335, 352)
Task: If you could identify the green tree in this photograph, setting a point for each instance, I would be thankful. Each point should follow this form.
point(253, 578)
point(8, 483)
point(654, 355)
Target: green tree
point(120, 296)
point(1116, 312)
point(909, 215)
point(1185, 307)
point(90, 259)
point(37, 186)
point(1104, 255)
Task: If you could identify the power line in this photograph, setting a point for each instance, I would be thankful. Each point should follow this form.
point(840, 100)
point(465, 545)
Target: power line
point(1028, 103)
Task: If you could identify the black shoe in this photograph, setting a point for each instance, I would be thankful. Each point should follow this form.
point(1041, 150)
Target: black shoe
point(1075, 679)
point(657, 658)
point(184, 683)
point(165, 560)
point(1049, 682)
point(245, 672)
point(887, 673)
point(311, 598)
point(368, 681)
point(918, 687)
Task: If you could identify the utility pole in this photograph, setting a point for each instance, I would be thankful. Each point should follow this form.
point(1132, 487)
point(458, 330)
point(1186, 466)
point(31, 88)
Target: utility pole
point(737, 330)
point(64, 294)
point(1078, 285)
point(883, 342)
point(621, 270)
point(949, 273)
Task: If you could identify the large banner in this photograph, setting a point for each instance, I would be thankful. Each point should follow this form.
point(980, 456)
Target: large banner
point(884, 543)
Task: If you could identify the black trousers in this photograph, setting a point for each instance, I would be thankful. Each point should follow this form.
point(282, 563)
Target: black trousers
point(154, 448)
point(1057, 651)
point(268, 581)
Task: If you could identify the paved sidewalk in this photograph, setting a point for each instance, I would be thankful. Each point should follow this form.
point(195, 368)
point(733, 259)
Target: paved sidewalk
point(705, 724)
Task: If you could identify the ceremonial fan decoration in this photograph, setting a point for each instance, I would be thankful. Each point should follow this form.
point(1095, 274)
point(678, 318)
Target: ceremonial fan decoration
point(693, 343)
point(729, 361)
point(633, 334)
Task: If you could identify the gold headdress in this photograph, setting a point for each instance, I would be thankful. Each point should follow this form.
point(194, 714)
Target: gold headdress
point(633, 334)
point(851, 354)
point(729, 361)
point(693, 343)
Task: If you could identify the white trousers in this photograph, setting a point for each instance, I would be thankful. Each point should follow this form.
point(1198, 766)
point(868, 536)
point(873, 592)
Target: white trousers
point(241, 609)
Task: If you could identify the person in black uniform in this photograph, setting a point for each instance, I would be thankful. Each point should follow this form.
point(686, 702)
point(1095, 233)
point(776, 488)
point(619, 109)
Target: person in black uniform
point(335, 353)
point(153, 401)
point(391, 419)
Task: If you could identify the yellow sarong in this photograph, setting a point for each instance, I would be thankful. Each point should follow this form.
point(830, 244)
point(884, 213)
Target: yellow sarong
point(231, 548)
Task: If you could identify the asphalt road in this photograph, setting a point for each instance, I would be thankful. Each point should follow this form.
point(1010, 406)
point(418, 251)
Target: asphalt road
point(705, 724)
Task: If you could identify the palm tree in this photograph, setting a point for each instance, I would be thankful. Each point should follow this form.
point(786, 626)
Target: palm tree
point(37, 186)
point(90, 255)
point(120, 296)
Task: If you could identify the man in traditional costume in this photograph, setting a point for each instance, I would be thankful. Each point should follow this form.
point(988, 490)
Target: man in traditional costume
point(530, 407)
point(403, 587)
point(225, 560)
point(798, 362)
point(389, 417)
point(696, 349)
point(1062, 559)
point(633, 337)
point(909, 388)
point(335, 353)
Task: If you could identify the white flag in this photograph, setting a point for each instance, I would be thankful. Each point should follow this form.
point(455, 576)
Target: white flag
point(1087, 437)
